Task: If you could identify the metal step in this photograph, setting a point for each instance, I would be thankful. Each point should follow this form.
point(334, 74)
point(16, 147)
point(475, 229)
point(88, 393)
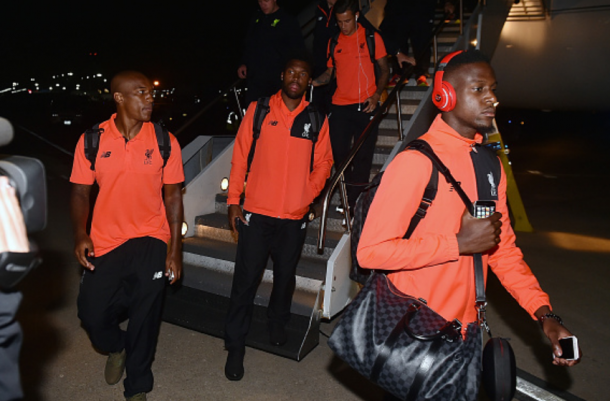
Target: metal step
point(215, 226)
point(201, 301)
point(387, 137)
point(413, 93)
point(408, 106)
point(390, 121)
point(381, 154)
point(206, 312)
point(213, 255)
point(334, 219)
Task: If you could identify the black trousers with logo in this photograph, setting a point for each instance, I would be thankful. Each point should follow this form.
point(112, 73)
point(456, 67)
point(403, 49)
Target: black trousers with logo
point(127, 282)
point(346, 124)
point(264, 236)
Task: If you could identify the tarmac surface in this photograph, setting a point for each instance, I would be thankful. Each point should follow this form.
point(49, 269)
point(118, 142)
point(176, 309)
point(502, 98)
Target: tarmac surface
point(563, 175)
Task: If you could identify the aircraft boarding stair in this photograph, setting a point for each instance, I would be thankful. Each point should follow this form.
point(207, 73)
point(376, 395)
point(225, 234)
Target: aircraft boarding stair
point(323, 287)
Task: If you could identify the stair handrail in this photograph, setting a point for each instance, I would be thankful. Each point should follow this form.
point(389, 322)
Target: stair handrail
point(232, 88)
point(394, 95)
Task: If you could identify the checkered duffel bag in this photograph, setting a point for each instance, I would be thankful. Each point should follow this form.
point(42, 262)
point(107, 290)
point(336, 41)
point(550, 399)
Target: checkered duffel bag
point(405, 347)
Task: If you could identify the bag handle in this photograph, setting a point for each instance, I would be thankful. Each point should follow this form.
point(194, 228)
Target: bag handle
point(451, 331)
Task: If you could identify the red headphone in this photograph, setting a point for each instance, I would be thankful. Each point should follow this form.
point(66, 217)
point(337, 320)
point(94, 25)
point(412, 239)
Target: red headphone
point(443, 94)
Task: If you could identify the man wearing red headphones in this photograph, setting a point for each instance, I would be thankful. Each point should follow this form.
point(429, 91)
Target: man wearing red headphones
point(435, 263)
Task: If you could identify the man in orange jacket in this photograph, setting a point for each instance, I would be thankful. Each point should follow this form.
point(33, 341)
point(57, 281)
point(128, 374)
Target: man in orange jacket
point(435, 263)
point(288, 170)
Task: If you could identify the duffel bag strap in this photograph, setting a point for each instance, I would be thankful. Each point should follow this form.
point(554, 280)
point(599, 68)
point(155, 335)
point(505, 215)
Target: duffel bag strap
point(481, 301)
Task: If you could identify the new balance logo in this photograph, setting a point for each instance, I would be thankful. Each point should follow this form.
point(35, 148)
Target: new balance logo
point(105, 155)
point(158, 275)
point(273, 123)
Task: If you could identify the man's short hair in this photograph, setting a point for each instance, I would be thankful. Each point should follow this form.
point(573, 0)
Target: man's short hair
point(300, 55)
point(342, 6)
point(467, 57)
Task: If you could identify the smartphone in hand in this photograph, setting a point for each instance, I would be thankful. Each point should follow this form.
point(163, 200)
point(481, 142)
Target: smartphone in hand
point(569, 348)
point(484, 209)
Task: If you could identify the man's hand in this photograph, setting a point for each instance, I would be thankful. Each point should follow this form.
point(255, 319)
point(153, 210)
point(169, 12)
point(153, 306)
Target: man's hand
point(173, 266)
point(403, 58)
point(234, 213)
point(371, 103)
point(478, 235)
point(13, 235)
point(79, 211)
point(83, 247)
point(175, 216)
point(242, 71)
point(554, 332)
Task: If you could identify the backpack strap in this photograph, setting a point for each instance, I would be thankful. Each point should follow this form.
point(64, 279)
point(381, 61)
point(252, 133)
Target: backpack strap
point(370, 42)
point(331, 50)
point(423, 147)
point(427, 198)
point(165, 146)
point(425, 203)
point(92, 144)
point(314, 119)
point(261, 111)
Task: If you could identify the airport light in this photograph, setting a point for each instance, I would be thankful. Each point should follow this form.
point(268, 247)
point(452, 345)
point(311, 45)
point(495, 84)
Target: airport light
point(185, 228)
point(224, 184)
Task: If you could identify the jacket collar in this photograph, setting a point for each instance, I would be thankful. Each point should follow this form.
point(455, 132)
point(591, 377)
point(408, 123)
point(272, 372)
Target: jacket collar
point(439, 125)
point(277, 99)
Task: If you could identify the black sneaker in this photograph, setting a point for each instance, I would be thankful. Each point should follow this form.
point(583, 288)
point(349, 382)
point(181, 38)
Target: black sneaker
point(234, 368)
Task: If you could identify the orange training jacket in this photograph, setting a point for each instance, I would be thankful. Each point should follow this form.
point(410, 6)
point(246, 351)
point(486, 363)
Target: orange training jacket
point(280, 183)
point(428, 265)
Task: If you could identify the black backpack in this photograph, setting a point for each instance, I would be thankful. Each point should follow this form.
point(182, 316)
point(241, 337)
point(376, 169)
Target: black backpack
point(261, 111)
point(483, 160)
point(92, 143)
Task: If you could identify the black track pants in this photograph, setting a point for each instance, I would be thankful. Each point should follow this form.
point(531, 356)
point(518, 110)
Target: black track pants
point(346, 124)
point(263, 236)
point(10, 346)
point(127, 282)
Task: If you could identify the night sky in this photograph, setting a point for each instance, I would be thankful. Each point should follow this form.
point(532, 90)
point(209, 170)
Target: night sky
point(192, 45)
